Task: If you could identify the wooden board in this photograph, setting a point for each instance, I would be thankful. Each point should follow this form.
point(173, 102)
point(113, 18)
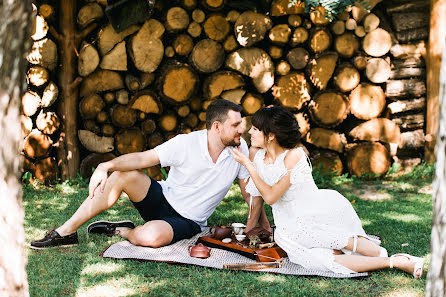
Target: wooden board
point(260, 255)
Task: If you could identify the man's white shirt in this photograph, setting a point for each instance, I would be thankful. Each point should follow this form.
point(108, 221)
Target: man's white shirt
point(196, 185)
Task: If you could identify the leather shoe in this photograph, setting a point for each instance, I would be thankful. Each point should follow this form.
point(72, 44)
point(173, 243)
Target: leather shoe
point(52, 239)
point(108, 228)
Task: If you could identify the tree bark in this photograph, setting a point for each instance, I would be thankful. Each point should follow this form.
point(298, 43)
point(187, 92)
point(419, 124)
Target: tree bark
point(437, 41)
point(436, 278)
point(14, 44)
point(67, 147)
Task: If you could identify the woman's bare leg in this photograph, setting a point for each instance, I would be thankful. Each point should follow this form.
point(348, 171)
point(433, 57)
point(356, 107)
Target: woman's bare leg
point(134, 183)
point(364, 247)
point(364, 263)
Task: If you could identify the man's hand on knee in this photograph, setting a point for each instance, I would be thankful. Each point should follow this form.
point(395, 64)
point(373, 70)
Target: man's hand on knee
point(99, 177)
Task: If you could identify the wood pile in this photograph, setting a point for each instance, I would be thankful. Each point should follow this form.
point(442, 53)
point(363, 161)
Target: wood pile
point(356, 84)
point(40, 123)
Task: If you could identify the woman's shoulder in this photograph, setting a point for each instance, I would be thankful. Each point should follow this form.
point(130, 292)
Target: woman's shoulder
point(293, 157)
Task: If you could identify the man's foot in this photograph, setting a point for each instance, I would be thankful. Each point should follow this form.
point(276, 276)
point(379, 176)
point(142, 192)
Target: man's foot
point(53, 239)
point(108, 228)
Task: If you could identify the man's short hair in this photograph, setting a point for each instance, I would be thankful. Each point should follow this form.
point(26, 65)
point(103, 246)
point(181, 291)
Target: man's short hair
point(218, 111)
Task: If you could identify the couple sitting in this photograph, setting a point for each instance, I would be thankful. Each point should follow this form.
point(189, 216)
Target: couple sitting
point(318, 229)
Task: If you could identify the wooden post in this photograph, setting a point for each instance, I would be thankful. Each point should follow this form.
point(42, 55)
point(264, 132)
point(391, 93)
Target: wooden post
point(437, 40)
point(69, 40)
point(67, 148)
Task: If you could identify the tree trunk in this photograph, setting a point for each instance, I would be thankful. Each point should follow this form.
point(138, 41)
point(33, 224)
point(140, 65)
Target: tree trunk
point(436, 278)
point(67, 147)
point(437, 41)
point(14, 44)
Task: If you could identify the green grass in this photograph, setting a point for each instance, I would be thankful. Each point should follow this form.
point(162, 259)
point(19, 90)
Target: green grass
point(402, 218)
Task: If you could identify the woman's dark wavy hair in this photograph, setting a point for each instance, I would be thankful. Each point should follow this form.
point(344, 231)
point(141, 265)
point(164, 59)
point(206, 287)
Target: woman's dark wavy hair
point(280, 122)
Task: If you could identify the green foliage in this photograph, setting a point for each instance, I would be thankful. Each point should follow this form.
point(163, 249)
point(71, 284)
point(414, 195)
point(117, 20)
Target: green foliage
point(333, 7)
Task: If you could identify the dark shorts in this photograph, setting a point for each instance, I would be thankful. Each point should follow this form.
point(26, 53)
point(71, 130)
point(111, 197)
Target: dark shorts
point(155, 207)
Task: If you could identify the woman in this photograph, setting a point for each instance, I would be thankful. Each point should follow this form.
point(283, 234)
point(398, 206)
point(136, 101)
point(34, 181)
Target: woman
point(319, 229)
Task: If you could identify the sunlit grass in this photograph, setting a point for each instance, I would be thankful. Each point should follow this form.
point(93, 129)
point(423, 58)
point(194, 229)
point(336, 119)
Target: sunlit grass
point(403, 221)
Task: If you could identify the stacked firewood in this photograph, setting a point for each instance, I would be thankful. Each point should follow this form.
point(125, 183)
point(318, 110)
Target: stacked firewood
point(40, 123)
point(356, 87)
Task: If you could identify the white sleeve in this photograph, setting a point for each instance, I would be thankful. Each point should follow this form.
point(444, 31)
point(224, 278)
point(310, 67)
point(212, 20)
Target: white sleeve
point(172, 152)
point(243, 172)
point(251, 189)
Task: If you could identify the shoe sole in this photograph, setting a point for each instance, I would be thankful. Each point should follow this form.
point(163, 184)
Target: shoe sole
point(52, 246)
point(110, 222)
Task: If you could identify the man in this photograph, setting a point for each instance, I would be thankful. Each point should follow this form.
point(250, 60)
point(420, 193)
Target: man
point(201, 172)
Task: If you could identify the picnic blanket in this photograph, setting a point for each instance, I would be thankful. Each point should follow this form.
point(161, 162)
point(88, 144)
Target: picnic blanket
point(178, 253)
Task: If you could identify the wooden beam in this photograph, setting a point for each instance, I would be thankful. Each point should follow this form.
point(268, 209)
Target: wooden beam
point(437, 40)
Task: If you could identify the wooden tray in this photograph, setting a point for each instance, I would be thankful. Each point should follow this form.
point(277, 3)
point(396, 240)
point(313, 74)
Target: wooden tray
point(260, 255)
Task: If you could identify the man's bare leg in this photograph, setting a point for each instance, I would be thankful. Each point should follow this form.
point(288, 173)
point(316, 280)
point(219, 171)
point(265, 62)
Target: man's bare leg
point(134, 183)
point(155, 234)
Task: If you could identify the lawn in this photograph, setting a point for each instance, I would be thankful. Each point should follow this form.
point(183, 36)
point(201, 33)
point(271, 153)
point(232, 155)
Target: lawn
point(399, 209)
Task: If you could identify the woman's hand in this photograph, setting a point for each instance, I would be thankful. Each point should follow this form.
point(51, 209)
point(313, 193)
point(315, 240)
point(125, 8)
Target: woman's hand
point(239, 156)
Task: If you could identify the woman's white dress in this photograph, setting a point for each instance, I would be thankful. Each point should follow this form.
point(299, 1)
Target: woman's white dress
point(310, 222)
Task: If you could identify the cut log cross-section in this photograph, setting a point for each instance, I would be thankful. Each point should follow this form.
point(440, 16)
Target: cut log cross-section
point(100, 81)
point(328, 109)
point(177, 19)
point(146, 101)
point(178, 83)
point(207, 56)
point(116, 59)
point(378, 70)
point(251, 27)
point(367, 101)
point(47, 122)
point(346, 77)
point(88, 59)
point(146, 48)
point(292, 90)
point(368, 158)
point(37, 145)
point(31, 102)
point(327, 139)
point(320, 40)
point(321, 69)
point(298, 58)
point(221, 81)
point(346, 44)
point(300, 35)
point(328, 162)
point(43, 53)
point(381, 129)
point(216, 27)
point(95, 143)
point(255, 63)
point(251, 103)
point(92, 161)
point(123, 116)
point(129, 141)
point(90, 106)
point(377, 42)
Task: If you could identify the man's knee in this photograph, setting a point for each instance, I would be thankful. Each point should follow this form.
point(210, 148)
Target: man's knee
point(125, 176)
point(148, 236)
